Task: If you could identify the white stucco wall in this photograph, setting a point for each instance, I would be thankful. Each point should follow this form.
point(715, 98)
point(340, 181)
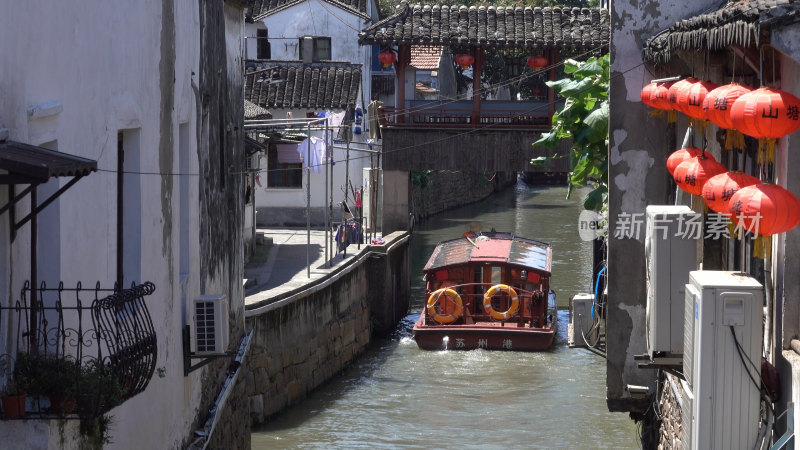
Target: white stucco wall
point(319, 19)
point(296, 197)
point(101, 63)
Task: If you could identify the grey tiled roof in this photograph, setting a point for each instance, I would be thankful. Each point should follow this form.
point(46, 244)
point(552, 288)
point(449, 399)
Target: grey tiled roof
point(258, 9)
point(321, 85)
point(253, 111)
point(736, 23)
point(492, 27)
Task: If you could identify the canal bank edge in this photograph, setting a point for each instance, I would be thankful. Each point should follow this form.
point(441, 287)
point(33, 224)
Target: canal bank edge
point(442, 190)
point(304, 337)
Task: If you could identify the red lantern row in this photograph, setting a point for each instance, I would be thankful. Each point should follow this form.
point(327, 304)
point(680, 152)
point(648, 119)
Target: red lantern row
point(759, 208)
point(764, 113)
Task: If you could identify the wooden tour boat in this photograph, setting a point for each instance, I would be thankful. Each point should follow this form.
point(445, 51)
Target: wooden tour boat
point(491, 291)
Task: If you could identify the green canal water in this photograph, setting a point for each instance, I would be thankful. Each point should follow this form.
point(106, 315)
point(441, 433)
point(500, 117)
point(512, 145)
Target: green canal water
point(397, 396)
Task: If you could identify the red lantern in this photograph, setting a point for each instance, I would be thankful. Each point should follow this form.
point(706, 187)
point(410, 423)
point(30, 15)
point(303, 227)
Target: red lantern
point(646, 94)
point(678, 93)
point(659, 96)
point(464, 60)
point(537, 62)
point(682, 155)
point(695, 95)
point(719, 189)
point(765, 209)
point(719, 101)
point(387, 58)
point(693, 173)
point(766, 113)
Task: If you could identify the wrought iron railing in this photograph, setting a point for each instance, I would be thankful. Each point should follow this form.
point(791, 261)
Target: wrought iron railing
point(76, 352)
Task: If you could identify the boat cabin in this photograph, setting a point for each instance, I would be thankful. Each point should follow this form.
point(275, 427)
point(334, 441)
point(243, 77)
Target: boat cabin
point(513, 271)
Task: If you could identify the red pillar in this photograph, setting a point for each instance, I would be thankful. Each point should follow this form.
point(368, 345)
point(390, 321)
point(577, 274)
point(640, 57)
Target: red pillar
point(551, 94)
point(403, 58)
point(477, 53)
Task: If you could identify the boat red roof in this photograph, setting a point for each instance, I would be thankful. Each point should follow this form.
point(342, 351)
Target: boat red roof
point(501, 248)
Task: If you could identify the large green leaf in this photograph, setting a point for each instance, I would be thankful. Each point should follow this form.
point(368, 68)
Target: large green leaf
point(595, 199)
point(577, 87)
point(590, 68)
point(598, 119)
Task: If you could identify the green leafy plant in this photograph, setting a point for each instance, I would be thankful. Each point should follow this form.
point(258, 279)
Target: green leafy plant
point(584, 119)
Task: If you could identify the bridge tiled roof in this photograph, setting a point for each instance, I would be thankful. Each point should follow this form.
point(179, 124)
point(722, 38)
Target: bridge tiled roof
point(492, 27)
point(425, 57)
point(259, 9)
point(295, 85)
point(734, 24)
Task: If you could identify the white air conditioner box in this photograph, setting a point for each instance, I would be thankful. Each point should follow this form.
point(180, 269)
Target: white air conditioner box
point(581, 316)
point(726, 402)
point(670, 248)
point(211, 330)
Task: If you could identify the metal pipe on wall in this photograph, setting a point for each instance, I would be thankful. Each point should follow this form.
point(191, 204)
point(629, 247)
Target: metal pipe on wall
point(308, 200)
point(325, 198)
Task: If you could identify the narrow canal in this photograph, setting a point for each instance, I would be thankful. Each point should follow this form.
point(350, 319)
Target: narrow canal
point(396, 395)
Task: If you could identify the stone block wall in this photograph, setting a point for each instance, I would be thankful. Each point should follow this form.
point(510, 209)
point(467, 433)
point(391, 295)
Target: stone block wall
point(669, 410)
point(442, 190)
point(301, 341)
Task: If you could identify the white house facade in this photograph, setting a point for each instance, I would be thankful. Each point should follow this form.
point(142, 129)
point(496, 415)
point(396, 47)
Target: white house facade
point(128, 96)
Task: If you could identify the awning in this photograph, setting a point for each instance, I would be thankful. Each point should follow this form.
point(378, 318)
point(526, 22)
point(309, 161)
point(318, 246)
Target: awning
point(27, 164)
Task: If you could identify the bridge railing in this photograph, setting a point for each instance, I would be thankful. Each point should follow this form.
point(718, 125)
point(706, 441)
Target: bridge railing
point(441, 117)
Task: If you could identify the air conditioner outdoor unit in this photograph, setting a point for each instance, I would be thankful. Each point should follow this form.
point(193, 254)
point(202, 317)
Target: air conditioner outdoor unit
point(581, 316)
point(725, 401)
point(670, 247)
point(211, 328)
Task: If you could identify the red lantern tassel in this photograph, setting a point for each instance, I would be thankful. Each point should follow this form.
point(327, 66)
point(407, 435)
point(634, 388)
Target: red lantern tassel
point(734, 139)
point(762, 247)
point(672, 116)
point(766, 151)
point(657, 113)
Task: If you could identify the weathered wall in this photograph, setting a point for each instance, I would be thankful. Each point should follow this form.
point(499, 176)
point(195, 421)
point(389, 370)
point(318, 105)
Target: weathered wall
point(442, 190)
point(639, 144)
point(466, 149)
point(134, 68)
point(302, 339)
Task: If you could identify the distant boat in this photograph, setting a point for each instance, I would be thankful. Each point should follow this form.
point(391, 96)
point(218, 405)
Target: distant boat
point(491, 291)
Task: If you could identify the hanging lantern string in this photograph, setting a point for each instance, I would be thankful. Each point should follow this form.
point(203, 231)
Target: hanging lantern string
point(761, 65)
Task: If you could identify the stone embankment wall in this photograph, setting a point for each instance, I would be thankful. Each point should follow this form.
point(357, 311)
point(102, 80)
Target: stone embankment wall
point(441, 190)
point(669, 411)
point(302, 339)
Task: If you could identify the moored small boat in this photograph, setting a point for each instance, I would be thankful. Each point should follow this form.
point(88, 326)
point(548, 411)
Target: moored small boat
point(491, 291)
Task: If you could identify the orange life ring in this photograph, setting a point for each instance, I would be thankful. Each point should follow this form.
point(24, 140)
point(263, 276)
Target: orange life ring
point(451, 295)
point(487, 301)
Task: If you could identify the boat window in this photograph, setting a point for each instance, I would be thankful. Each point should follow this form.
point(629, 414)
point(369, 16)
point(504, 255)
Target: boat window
point(496, 274)
point(478, 279)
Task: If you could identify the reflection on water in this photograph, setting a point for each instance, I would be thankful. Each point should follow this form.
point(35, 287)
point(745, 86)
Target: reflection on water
point(396, 395)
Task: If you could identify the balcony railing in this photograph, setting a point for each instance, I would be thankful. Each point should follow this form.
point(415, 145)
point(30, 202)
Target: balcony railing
point(76, 353)
point(439, 117)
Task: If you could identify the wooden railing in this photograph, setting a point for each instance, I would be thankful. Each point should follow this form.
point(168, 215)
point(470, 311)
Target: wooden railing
point(432, 117)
